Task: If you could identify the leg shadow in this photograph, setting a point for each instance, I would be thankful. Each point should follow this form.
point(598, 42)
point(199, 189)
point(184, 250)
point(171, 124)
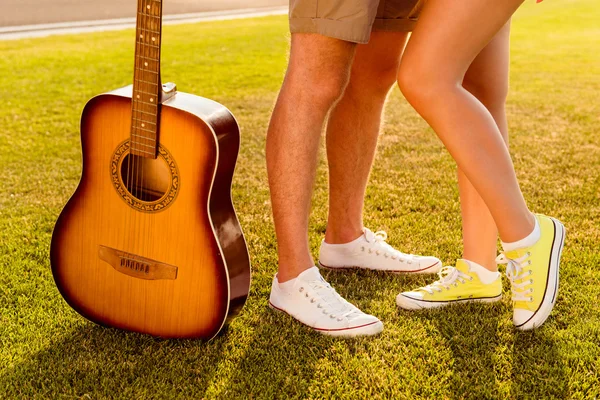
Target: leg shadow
point(538, 371)
point(106, 363)
point(471, 333)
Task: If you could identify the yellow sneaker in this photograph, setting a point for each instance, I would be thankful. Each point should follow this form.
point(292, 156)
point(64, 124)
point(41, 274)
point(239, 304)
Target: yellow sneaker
point(458, 284)
point(533, 273)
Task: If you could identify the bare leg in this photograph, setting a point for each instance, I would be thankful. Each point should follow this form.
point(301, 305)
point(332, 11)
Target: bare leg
point(317, 74)
point(353, 129)
point(442, 48)
point(487, 80)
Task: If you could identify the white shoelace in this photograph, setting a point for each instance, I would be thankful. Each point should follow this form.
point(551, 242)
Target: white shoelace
point(449, 276)
point(515, 272)
point(381, 247)
point(326, 298)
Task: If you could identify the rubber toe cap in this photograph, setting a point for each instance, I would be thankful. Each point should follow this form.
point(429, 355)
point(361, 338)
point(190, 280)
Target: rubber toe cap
point(520, 318)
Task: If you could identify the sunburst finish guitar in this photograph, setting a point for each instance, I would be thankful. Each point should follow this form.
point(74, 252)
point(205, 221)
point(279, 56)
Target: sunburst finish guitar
point(150, 241)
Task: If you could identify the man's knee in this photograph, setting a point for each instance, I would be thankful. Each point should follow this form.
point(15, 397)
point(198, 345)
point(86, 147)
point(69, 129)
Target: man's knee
point(319, 66)
point(376, 78)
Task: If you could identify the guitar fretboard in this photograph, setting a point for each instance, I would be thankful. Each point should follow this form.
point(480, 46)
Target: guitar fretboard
point(146, 79)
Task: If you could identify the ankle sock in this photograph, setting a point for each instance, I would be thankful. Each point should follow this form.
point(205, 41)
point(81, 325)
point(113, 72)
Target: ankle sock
point(527, 241)
point(485, 275)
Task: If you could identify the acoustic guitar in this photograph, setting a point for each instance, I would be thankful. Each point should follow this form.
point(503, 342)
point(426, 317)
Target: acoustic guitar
point(150, 242)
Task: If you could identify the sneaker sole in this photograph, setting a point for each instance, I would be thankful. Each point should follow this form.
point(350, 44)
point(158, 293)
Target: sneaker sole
point(370, 329)
point(408, 303)
point(551, 292)
point(432, 269)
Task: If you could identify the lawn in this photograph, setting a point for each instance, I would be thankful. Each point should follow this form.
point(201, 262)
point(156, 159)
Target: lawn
point(48, 351)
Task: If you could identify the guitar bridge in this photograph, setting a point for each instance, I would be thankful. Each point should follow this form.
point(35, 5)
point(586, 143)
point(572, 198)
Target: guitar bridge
point(137, 266)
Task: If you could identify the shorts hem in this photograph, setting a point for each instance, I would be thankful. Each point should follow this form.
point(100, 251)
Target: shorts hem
point(332, 28)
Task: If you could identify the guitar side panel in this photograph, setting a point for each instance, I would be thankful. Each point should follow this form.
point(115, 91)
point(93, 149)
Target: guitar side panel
point(196, 303)
point(227, 227)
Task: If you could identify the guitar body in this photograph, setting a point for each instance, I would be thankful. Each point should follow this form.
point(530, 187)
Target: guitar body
point(161, 252)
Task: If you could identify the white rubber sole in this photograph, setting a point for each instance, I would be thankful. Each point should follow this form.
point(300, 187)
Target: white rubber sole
point(542, 314)
point(408, 303)
point(432, 269)
point(370, 329)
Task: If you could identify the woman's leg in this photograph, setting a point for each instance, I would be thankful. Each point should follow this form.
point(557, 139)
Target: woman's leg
point(447, 39)
point(443, 46)
point(487, 80)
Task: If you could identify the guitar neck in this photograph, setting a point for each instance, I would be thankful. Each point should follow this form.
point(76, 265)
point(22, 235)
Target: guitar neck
point(146, 79)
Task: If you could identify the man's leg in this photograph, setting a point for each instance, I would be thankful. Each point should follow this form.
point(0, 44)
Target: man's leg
point(352, 132)
point(318, 71)
point(487, 80)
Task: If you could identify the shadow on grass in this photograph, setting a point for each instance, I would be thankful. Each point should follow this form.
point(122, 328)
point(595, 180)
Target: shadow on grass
point(252, 361)
point(491, 359)
point(100, 362)
point(470, 331)
point(537, 369)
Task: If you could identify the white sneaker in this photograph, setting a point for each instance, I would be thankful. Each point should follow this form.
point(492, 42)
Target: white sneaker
point(312, 301)
point(370, 251)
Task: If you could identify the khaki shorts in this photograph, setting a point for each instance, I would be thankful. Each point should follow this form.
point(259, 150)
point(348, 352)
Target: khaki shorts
point(353, 20)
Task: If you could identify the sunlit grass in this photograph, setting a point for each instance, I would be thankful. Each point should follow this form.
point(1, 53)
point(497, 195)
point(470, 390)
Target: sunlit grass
point(49, 351)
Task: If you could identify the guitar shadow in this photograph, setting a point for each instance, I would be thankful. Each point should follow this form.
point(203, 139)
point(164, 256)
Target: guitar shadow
point(108, 363)
point(250, 359)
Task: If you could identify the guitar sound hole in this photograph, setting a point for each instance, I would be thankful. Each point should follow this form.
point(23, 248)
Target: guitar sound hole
point(146, 179)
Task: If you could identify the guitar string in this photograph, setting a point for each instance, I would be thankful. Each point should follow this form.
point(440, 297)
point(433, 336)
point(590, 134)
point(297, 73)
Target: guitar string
point(155, 73)
point(142, 159)
point(135, 105)
point(146, 216)
point(143, 216)
point(155, 70)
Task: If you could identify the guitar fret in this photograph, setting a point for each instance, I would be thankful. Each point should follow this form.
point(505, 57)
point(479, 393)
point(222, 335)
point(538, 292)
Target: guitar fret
point(143, 137)
point(147, 70)
point(147, 44)
point(143, 29)
point(144, 121)
point(147, 130)
point(145, 112)
point(143, 144)
point(146, 103)
point(147, 15)
point(144, 81)
point(141, 151)
point(141, 91)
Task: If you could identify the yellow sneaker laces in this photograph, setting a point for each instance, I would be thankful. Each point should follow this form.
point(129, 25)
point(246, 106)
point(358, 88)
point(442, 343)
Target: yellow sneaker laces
point(448, 277)
point(515, 272)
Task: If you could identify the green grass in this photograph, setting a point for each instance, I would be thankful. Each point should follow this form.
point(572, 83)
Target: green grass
point(49, 351)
